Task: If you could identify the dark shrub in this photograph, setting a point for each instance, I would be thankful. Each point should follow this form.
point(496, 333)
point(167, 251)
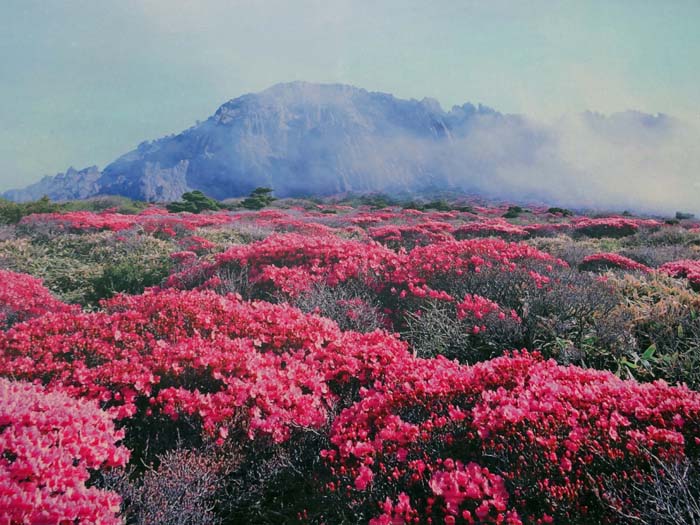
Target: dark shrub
point(258, 199)
point(439, 331)
point(563, 211)
point(184, 488)
point(669, 496)
point(513, 212)
point(193, 202)
point(12, 212)
point(598, 231)
point(279, 483)
point(575, 312)
point(130, 275)
point(103, 203)
point(664, 315)
point(655, 256)
point(438, 205)
point(349, 304)
point(666, 236)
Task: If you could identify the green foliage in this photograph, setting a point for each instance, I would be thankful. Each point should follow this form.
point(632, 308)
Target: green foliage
point(262, 193)
point(71, 265)
point(412, 205)
point(193, 202)
point(665, 325)
point(258, 199)
point(12, 212)
point(251, 203)
point(563, 211)
point(130, 275)
point(62, 267)
point(438, 205)
point(681, 216)
point(513, 212)
point(117, 203)
point(223, 237)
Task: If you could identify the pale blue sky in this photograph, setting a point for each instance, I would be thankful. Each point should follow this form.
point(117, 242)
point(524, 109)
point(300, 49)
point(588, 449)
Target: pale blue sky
point(82, 81)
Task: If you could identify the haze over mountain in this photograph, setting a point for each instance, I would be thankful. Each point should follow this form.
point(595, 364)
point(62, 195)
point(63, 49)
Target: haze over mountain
point(319, 139)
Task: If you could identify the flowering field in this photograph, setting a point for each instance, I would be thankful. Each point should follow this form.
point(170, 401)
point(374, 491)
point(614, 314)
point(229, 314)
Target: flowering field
point(331, 364)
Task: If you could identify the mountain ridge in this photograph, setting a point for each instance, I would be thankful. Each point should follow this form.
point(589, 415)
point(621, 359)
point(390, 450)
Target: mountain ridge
point(203, 157)
point(304, 138)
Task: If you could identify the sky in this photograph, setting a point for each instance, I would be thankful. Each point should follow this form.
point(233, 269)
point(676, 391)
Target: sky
point(84, 81)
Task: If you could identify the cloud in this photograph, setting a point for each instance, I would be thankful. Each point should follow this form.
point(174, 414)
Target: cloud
point(627, 160)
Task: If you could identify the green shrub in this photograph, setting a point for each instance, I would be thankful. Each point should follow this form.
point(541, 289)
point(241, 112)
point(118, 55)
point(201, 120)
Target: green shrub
point(438, 205)
point(683, 216)
point(64, 271)
point(118, 203)
point(130, 275)
point(438, 331)
point(350, 304)
point(665, 324)
point(193, 202)
point(412, 205)
point(258, 199)
point(72, 264)
point(513, 212)
point(666, 236)
point(554, 210)
point(655, 256)
point(12, 212)
point(223, 237)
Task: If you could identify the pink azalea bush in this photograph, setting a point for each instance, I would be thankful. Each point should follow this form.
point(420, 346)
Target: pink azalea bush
point(411, 235)
point(152, 220)
point(479, 310)
point(605, 261)
point(24, 297)
point(292, 263)
point(49, 444)
point(493, 227)
point(611, 226)
point(216, 358)
point(508, 440)
point(430, 271)
point(689, 269)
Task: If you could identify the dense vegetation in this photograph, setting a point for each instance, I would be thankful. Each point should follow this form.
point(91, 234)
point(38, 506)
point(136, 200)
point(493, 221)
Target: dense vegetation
point(368, 361)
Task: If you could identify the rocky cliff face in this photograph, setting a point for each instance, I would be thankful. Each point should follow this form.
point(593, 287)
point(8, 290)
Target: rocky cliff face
point(299, 138)
point(72, 184)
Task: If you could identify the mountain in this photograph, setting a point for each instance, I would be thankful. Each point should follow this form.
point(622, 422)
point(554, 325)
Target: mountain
point(302, 138)
point(72, 184)
point(299, 138)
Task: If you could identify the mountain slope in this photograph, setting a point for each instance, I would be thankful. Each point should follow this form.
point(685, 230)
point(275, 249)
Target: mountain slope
point(302, 138)
point(72, 184)
point(299, 138)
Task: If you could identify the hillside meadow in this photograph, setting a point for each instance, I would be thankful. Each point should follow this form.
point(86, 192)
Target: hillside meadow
point(366, 361)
